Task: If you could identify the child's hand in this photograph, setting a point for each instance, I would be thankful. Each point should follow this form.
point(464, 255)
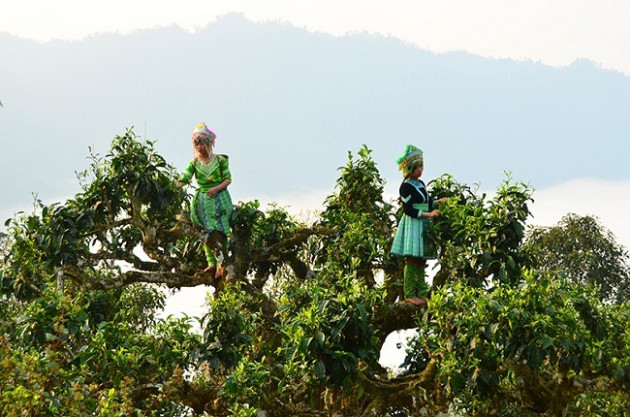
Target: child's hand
point(432, 213)
point(212, 192)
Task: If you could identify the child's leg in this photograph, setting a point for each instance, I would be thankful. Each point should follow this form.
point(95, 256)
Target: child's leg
point(210, 258)
point(215, 248)
point(414, 284)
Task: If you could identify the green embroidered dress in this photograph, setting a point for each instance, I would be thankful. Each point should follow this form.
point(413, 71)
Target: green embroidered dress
point(211, 212)
point(413, 237)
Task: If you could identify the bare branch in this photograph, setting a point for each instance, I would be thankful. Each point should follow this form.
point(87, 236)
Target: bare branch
point(408, 391)
point(168, 278)
point(396, 316)
point(108, 226)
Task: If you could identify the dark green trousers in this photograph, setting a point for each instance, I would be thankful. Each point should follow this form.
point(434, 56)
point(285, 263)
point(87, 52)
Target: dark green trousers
point(414, 284)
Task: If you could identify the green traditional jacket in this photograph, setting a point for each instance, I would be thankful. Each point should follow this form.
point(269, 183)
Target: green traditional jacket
point(208, 175)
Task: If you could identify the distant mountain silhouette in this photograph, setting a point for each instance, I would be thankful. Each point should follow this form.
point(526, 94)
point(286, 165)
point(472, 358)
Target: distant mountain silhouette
point(287, 104)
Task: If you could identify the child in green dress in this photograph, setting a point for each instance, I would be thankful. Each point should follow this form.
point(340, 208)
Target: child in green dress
point(212, 204)
point(412, 241)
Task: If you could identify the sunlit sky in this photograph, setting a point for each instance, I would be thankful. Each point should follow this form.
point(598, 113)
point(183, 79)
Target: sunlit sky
point(554, 32)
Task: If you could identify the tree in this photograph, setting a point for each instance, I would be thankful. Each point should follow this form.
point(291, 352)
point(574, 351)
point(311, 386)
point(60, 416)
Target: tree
point(296, 325)
point(580, 248)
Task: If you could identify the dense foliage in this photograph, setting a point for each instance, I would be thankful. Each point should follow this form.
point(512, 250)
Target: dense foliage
point(296, 325)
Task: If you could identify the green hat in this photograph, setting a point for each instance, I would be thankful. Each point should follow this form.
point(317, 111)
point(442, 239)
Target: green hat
point(409, 159)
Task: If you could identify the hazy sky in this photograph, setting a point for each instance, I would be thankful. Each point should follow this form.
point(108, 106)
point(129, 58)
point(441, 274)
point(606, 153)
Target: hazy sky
point(554, 32)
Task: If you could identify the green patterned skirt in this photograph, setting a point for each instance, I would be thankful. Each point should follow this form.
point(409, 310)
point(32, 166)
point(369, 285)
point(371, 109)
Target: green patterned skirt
point(214, 212)
point(414, 238)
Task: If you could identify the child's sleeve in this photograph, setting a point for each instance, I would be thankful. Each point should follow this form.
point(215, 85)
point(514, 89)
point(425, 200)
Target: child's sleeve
point(225, 170)
point(407, 197)
point(188, 173)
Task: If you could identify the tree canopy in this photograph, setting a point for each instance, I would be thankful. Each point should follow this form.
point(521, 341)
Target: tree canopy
point(296, 325)
point(580, 248)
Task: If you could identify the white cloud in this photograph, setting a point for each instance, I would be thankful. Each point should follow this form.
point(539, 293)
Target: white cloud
point(302, 205)
point(187, 300)
point(606, 200)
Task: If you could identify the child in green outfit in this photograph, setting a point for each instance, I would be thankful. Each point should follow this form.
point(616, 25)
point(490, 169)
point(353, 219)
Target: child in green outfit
point(412, 241)
point(212, 204)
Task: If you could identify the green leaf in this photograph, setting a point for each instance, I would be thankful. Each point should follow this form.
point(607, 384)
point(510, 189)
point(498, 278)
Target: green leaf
point(546, 341)
point(457, 382)
point(321, 338)
point(320, 369)
point(485, 376)
point(360, 391)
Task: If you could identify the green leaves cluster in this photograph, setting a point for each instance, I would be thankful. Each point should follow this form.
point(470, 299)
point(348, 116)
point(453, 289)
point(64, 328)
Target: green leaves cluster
point(229, 329)
point(481, 237)
point(87, 354)
point(534, 347)
point(132, 176)
point(326, 329)
point(363, 217)
point(518, 323)
point(254, 228)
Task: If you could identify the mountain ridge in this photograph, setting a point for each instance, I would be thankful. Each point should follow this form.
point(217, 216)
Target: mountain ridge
point(288, 104)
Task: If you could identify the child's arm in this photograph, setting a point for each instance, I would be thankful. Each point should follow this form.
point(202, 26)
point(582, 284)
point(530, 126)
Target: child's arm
point(409, 196)
point(187, 175)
